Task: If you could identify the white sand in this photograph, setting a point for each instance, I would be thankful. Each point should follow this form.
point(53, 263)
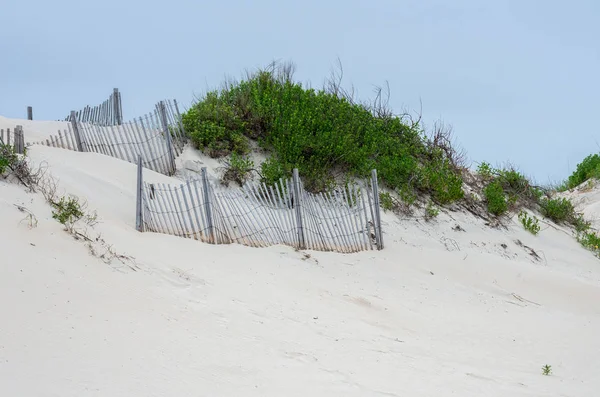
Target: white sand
point(437, 313)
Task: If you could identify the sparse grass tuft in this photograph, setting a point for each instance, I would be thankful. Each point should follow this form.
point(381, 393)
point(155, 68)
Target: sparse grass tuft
point(591, 241)
point(530, 223)
point(431, 211)
point(237, 169)
point(67, 210)
point(547, 370)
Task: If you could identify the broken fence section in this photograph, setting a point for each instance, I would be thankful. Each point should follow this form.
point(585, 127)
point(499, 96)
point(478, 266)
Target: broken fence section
point(158, 137)
point(109, 112)
point(17, 140)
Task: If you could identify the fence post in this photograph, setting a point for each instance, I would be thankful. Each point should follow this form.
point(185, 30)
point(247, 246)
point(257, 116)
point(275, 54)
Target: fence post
point(208, 206)
point(117, 110)
point(163, 118)
point(377, 220)
point(298, 207)
point(29, 113)
point(179, 118)
point(139, 217)
point(18, 139)
point(21, 140)
point(76, 131)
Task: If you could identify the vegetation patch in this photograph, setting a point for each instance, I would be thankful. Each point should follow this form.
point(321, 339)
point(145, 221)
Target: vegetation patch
point(559, 210)
point(589, 168)
point(324, 133)
point(530, 223)
point(67, 210)
point(237, 169)
point(431, 211)
point(495, 198)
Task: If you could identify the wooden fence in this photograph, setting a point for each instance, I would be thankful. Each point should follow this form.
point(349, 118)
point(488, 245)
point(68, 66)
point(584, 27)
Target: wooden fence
point(18, 139)
point(157, 137)
point(346, 220)
point(109, 112)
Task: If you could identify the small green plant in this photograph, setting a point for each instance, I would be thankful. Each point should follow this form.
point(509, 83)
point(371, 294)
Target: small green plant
point(386, 201)
point(431, 211)
point(485, 171)
point(591, 241)
point(8, 158)
point(67, 210)
point(547, 370)
point(495, 198)
point(530, 223)
point(237, 169)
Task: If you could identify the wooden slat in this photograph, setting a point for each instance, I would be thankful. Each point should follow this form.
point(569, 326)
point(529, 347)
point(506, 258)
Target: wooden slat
point(156, 164)
point(351, 221)
point(167, 208)
point(338, 227)
point(190, 207)
point(157, 148)
point(263, 215)
point(125, 141)
point(185, 215)
point(177, 214)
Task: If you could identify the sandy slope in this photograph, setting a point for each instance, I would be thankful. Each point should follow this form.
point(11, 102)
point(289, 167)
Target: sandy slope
point(438, 312)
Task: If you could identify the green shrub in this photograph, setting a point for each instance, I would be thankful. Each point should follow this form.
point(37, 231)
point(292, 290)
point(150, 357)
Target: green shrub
point(407, 195)
point(495, 198)
point(8, 158)
point(588, 168)
point(67, 210)
point(237, 169)
point(386, 201)
point(485, 170)
point(559, 210)
point(581, 225)
point(519, 188)
point(319, 132)
point(530, 224)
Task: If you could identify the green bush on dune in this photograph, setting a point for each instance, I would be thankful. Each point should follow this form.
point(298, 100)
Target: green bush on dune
point(321, 133)
point(8, 158)
point(589, 168)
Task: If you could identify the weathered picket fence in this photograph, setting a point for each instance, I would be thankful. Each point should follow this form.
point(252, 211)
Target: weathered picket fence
point(158, 137)
point(18, 139)
point(109, 112)
point(346, 220)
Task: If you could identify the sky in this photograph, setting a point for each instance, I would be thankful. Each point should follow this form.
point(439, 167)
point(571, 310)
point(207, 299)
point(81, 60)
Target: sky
point(518, 81)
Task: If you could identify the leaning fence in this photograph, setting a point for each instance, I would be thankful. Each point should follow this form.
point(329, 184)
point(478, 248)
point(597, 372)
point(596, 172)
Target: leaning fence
point(158, 137)
point(257, 215)
point(109, 112)
point(18, 140)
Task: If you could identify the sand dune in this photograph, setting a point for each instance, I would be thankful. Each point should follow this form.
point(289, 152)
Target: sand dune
point(440, 311)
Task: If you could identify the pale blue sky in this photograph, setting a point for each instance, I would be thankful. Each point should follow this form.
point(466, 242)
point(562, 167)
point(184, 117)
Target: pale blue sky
point(518, 80)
